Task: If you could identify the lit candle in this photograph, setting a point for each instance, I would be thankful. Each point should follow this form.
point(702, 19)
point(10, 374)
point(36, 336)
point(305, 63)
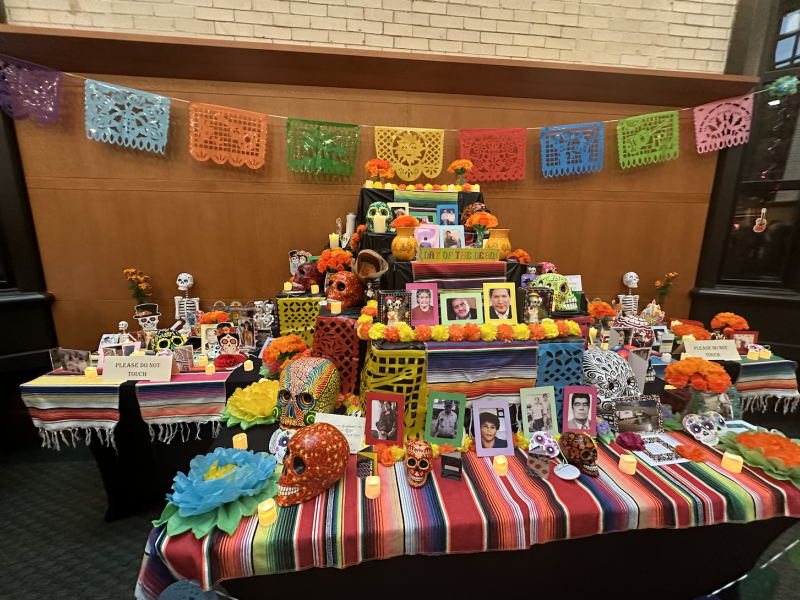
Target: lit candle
point(314, 289)
point(202, 360)
point(210, 369)
point(267, 512)
point(138, 352)
point(333, 239)
point(500, 466)
point(627, 464)
point(752, 354)
point(379, 224)
point(688, 338)
point(732, 462)
point(451, 188)
point(287, 287)
point(372, 487)
point(248, 365)
point(240, 441)
point(336, 307)
point(666, 357)
point(476, 187)
point(765, 354)
point(685, 355)
point(90, 372)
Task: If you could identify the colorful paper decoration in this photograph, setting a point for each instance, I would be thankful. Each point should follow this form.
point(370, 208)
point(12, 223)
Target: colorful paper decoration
point(648, 139)
point(120, 115)
point(496, 154)
point(560, 365)
point(411, 152)
point(572, 149)
point(227, 134)
point(29, 90)
point(718, 125)
point(320, 147)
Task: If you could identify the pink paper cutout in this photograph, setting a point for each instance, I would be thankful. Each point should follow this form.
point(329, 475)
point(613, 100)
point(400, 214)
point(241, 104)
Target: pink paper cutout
point(721, 124)
point(496, 154)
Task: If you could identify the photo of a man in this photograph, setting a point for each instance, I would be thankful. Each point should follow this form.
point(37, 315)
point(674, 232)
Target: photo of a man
point(540, 416)
point(460, 310)
point(452, 238)
point(500, 303)
point(580, 411)
point(445, 421)
point(492, 430)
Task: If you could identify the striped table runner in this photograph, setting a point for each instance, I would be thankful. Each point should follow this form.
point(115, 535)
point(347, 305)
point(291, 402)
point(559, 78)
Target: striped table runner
point(72, 403)
point(459, 276)
point(174, 405)
point(482, 512)
point(763, 379)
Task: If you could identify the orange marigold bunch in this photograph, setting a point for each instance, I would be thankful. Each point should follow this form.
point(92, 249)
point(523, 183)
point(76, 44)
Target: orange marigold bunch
point(505, 333)
point(774, 446)
point(728, 319)
point(391, 334)
point(699, 333)
point(482, 219)
point(524, 257)
point(445, 448)
point(357, 236)
point(460, 166)
point(139, 284)
point(215, 316)
point(379, 168)
point(537, 331)
point(423, 333)
point(699, 373)
point(287, 343)
point(563, 328)
point(304, 354)
point(472, 332)
point(601, 309)
point(405, 221)
point(336, 259)
point(456, 332)
point(691, 453)
point(370, 310)
point(363, 330)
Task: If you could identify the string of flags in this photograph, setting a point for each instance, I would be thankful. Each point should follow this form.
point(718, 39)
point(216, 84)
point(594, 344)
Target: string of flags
point(138, 119)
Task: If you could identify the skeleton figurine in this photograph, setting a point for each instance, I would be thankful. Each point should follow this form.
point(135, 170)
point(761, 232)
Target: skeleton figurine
point(630, 302)
point(264, 317)
point(185, 305)
point(124, 336)
point(147, 314)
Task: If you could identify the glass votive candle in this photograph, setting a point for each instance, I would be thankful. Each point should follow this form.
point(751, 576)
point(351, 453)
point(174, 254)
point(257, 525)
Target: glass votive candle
point(372, 487)
point(267, 512)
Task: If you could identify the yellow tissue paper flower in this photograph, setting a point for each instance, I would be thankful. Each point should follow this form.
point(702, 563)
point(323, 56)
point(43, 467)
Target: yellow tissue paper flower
point(574, 328)
point(521, 332)
point(466, 443)
point(550, 328)
point(376, 331)
point(372, 303)
point(458, 188)
point(488, 332)
point(520, 441)
point(217, 472)
point(435, 448)
point(365, 319)
point(256, 400)
point(406, 333)
point(398, 453)
point(440, 333)
point(427, 187)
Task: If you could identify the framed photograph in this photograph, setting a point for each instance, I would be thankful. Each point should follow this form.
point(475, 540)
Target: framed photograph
point(447, 214)
point(527, 280)
point(444, 423)
point(394, 307)
point(538, 304)
point(424, 303)
point(580, 409)
point(116, 350)
point(208, 337)
point(108, 339)
point(427, 236)
point(492, 422)
point(460, 307)
point(539, 410)
point(247, 332)
point(425, 217)
point(184, 356)
point(641, 414)
point(396, 209)
point(659, 449)
point(742, 339)
point(451, 236)
point(70, 361)
point(385, 418)
point(500, 303)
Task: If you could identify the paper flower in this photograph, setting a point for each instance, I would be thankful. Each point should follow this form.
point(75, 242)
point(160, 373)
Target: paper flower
point(601, 309)
point(563, 328)
point(521, 332)
point(550, 328)
point(379, 168)
point(524, 257)
point(372, 304)
point(215, 316)
point(365, 319)
point(376, 331)
point(683, 330)
point(336, 260)
point(537, 331)
point(488, 333)
point(439, 333)
point(783, 86)
point(423, 333)
point(505, 333)
point(455, 332)
point(573, 328)
point(691, 453)
point(390, 334)
point(252, 405)
point(363, 331)
point(728, 319)
point(472, 332)
point(699, 373)
point(405, 221)
point(603, 426)
point(630, 441)
point(427, 187)
point(370, 311)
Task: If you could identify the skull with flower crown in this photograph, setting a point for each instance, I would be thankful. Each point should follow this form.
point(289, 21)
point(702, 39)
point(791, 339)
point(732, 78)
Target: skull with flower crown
point(563, 298)
point(308, 386)
point(377, 209)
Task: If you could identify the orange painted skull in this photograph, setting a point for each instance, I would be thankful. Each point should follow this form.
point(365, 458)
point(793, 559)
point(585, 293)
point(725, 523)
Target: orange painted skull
point(419, 462)
point(581, 451)
point(345, 287)
point(315, 459)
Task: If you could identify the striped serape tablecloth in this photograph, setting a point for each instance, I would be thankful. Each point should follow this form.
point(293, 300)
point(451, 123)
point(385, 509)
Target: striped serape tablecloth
point(481, 512)
point(174, 405)
point(72, 403)
point(459, 276)
point(762, 379)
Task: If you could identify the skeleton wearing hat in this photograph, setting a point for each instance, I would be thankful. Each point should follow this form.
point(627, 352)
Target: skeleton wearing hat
point(147, 314)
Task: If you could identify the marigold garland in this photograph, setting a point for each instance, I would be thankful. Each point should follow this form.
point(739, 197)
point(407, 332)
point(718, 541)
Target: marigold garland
point(423, 333)
point(524, 257)
point(406, 333)
point(488, 333)
point(699, 373)
point(521, 332)
point(563, 328)
point(456, 332)
point(537, 331)
point(405, 221)
point(365, 319)
point(472, 332)
point(550, 328)
point(363, 330)
point(728, 319)
point(336, 259)
point(505, 333)
point(376, 331)
point(598, 310)
point(573, 328)
point(391, 334)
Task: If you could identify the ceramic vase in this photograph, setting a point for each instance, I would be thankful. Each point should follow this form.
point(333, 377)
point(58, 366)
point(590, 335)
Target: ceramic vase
point(404, 246)
point(498, 238)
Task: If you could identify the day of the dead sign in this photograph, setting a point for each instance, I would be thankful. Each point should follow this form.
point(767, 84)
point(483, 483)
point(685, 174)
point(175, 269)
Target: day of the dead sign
point(458, 255)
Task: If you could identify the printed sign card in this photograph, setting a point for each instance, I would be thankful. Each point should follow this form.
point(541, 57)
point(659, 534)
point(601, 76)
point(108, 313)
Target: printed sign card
point(713, 349)
point(458, 254)
point(137, 368)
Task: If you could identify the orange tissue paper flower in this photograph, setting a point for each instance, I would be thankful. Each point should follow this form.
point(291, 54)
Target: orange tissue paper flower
point(537, 331)
point(505, 333)
point(215, 316)
point(472, 332)
point(691, 453)
point(363, 330)
point(728, 319)
point(405, 221)
point(445, 448)
point(336, 259)
point(456, 332)
point(563, 328)
point(773, 445)
point(699, 333)
point(370, 310)
point(601, 309)
point(423, 333)
point(524, 257)
point(391, 334)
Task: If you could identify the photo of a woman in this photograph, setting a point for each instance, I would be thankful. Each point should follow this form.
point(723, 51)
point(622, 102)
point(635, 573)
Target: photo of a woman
point(386, 419)
point(423, 310)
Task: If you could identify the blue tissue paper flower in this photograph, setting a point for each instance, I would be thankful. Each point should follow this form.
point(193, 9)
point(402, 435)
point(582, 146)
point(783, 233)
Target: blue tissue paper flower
point(246, 475)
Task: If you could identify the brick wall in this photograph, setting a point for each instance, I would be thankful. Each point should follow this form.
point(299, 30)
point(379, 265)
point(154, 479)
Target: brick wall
point(659, 34)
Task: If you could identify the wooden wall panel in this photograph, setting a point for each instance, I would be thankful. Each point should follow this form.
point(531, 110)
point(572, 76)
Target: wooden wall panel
point(100, 208)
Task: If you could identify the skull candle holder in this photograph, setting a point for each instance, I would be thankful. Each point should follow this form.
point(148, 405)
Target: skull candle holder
point(377, 209)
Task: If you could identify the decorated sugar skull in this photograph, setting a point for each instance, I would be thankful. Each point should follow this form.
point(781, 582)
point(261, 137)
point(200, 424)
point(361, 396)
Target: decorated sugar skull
point(147, 315)
point(228, 338)
point(166, 339)
point(307, 275)
point(185, 281)
point(580, 451)
point(642, 334)
point(345, 287)
point(702, 428)
point(308, 386)
point(543, 443)
point(377, 209)
point(719, 422)
point(280, 441)
point(610, 374)
point(475, 207)
point(548, 267)
point(419, 462)
point(316, 458)
point(631, 279)
point(563, 298)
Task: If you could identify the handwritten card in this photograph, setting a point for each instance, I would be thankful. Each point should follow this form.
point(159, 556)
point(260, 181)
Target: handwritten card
point(575, 283)
point(713, 349)
point(137, 368)
point(351, 427)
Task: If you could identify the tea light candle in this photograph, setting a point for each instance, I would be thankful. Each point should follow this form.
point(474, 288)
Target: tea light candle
point(372, 487)
point(627, 464)
point(685, 355)
point(732, 462)
point(336, 307)
point(138, 353)
point(500, 466)
point(210, 369)
point(379, 224)
point(666, 357)
point(451, 188)
point(248, 365)
point(90, 372)
point(476, 187)
point(688, 338)
point(267, 512)
point(765, 354)
point(202, 360)
point(752, 354)
point(333, 239)
point(287, 287)
point(315, 289)
point(240, 441)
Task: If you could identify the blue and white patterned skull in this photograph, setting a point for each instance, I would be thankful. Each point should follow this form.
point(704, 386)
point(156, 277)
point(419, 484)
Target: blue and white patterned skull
point(375, 209)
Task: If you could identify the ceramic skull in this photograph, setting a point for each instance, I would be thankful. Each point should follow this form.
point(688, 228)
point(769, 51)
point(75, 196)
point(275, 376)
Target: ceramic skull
point(702, 428)
point(581, 451)
point(719, 422)
point(308, 386)
point(185, 281)
point(307, 275)
point(147, 315)
point(642, 334)
point(548, 267)
point(345, 287)
point(631, 279)
point(543, 443)
point(279, 442)
point(419, 462)
point(166, 339)
point(563, 298)
point(609, 373)
point(316, 458)
point(377, 209)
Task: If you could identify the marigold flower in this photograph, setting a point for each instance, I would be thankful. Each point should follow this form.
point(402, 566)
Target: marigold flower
point(563, 328)
point(391, 334)
point(423, 333)
point(377, 330)
point(440, 333)
point(505, 333)
point(550, 328)
point(488, 332)
point(461, 165)
point(683, 330)
point(482, 219)
point(472, 332)
point(365, 319)
point(405, 221)
point(406, 333)
point(456, 332)
point(363, 330)
point(537, 331)
point(521, 332)
point(728, 319)
point(601, 309)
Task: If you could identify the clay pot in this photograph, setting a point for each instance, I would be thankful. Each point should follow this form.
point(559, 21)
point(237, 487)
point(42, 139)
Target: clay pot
point(498, 238)
point(404, 246)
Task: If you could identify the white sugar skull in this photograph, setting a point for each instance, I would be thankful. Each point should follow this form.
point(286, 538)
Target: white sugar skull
point(185, 281)
point(419, 462)
point(563, 298)
point(279, 442)
point(631, 279)
point(543, 443)
point(610, 374)
point(375, 209)
point(147, 315)
point(702, 428)
point(719, 422)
